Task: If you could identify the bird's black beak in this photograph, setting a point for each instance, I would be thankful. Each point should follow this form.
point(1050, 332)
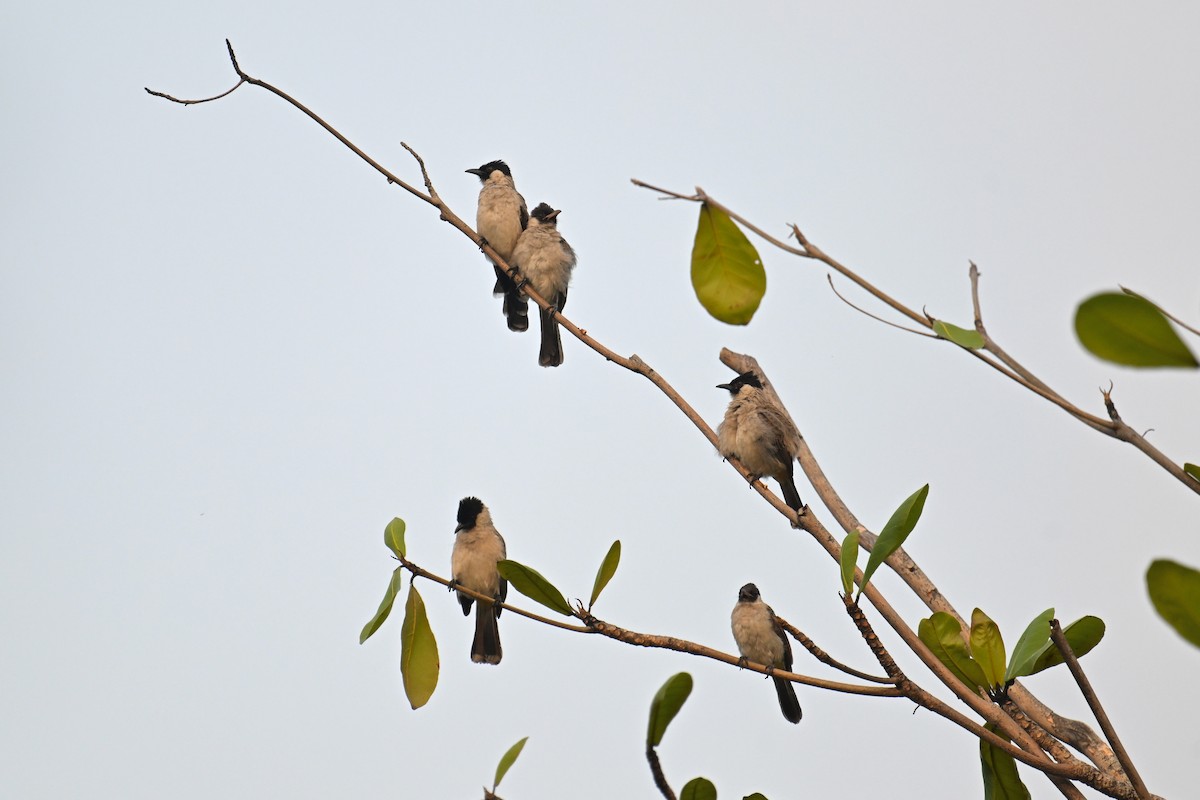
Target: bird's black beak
point(724, 386)
point(476, 172)
point(553, 214)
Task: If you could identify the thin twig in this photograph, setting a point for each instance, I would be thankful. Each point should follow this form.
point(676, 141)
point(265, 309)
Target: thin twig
point(872, 316)
point(1161, 310)
point(166, 96)
point(1093, 701)
point(819, 654)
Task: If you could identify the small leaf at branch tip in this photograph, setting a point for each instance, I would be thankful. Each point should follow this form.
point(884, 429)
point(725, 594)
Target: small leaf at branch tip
point(963, 337)
point(1192, 469)
point(666, 704)
point(507, 760)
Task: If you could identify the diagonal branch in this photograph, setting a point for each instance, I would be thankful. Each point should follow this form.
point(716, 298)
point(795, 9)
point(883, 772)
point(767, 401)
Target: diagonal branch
point(1089, 694)
point(1005, 364)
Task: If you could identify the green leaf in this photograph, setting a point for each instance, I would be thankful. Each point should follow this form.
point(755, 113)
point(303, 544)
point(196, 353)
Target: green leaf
point(507, 760)
point(698, 789)
point(1193, 470)
point(1031, 643)
point(849, 561)
point(385, 606)
point(727, 273)
point(987, 647)
point(529, 582)
point(419, 663)
point(1000, 778)
point(393, 536)
point(1131, 331)
point(897, 529)
point(1175, 592)
point(755, 796)
point(666, 704)
point(963, 337)
point(1083, 634)
point(608, 568)
point(942, 634)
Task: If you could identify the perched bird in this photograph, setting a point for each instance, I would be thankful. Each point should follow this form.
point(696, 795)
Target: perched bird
point(760, 639)
point(757, 433)
point(501, 217)
point(546, 260)
point(477, 548)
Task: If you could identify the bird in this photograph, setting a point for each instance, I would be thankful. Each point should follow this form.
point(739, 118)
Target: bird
point(477, 548)
point(501, 218)
point(761, 639)
point(757, 433)
point(546, 261)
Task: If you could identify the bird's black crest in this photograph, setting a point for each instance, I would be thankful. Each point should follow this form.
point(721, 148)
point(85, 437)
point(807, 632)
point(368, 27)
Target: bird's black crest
point(748, 593)
point(487, 169)
point(745, 379)
point(469, 509)
point(542, 211)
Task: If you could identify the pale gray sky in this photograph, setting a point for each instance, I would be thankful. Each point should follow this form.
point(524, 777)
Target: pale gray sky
point(232, 353)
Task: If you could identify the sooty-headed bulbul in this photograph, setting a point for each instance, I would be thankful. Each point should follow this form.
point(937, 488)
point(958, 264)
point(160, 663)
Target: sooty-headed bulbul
point(477, 548)
point(757, 433)
point(760, 639)
point(501, 217)
point(546, 261)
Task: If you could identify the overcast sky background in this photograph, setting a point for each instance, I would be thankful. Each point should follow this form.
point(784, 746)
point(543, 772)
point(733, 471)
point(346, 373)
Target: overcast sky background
point(232, 353)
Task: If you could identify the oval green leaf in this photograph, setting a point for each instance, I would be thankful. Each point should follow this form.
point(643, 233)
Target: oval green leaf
point(393, 536)
point(1083, 634)
point(1031, 643)
point(1175, 592)
point(529, 582)
point(698, 789)
point(507, 760)
point(987, 647)
point(1193, 470)
point(849, 561)
point(385, 606)
point(666, 704)
point(942, 634)
point(755, 796)
point(1130, 331)
point(727, 274)
point(608, 568)
point(963, 337)
point(1000, 778)
point(419, 663)
point(897, 529)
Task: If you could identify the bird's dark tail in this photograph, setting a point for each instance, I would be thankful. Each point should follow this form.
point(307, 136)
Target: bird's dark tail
point(551, 353)
point(787, 700)
point(516, 305)
point(790, 495)
point(485, 648)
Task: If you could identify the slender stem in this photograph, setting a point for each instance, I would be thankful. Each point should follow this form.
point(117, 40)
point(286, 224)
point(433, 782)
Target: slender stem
point(1089, 694)
point(660, 780)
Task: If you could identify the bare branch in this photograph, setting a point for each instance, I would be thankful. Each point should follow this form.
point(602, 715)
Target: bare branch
point(1089, 694)
point(824, 657)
